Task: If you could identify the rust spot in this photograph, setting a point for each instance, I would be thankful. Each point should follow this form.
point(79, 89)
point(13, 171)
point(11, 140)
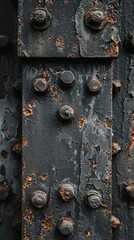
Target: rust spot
point(131, 143)
point(94, 166)
point(47, 224)
point(28, 110)
point(108, 123)
point(28, 216)
point(111, 19)
point(114, 50)
point(46, 75)
point(82, 122)
point(28, 181)
point(60, 42)
point(54, 92)
point(24, 142)
point(17, 148)
point(71, 56)
point(44, 177)
point(115, 148)
point(88, 234)
point(115, 222)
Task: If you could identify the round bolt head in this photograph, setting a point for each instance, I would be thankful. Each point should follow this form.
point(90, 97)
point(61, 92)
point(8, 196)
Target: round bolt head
point(67, 192)
point(40, 85)
point(66, 113)
point(4, 191)
point(94, 86)
point(66, 226)
point(67, 79)
point(39, 199)
point(93, 199)
point(40, 19)
point(95, 18)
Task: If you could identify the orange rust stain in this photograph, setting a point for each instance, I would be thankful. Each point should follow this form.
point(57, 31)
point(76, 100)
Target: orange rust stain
point(94, 166)
point(44, 177)
point(28, 181)
point(26, 237)
point(108, 123)
point(65, 197)
point(88, 234)
point(131, 143)
point(114, 50)
point(115, 222)
point(111, 19)
point(71, 56)
point(28, 216)
point(60, 42)
point(47, 75)
point(82, 122)
point(28, 110)
point(24, 142)
point(54, 92)
point(47, 224)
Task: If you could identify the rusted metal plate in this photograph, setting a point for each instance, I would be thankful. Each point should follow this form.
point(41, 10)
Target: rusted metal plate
point(68, 28)
point(67, 140)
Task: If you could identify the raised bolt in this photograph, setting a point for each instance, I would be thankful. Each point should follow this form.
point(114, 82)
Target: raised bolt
point(116, 86)
point(115, 148)
point(40, 85)
point(39, 199)
point(66, 113)
point(95, 18)
point(93, 199)
point(115, 222)
point(94, 85)
point(67, 192)
point(66, 226)
point(67, 79)
point(4, 43)
point(129, 191)
point(129, 42)
point(4, 191)
point(40, 19)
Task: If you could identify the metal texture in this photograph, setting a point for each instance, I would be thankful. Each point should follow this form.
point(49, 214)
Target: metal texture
point(59, 152)
point(70, 30)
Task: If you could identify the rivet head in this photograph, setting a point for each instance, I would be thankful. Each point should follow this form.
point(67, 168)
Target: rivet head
point(67, 79)
point(66, 113)
point(116, 86)
point(40, 85)
point(40, 19)
point(39, 199)
point(4, 191)
point(4, 43)
point(93, 199)
point(66, 226)
point(94, 85)
point(95, 18)
point(67, 192)
point(129, 191)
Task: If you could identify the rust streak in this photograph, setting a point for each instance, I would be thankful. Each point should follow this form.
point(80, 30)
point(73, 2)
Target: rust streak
point(82, 122)
point(28, 110)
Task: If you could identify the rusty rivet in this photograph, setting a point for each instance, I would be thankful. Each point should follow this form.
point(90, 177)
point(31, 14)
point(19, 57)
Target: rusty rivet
point(95, 18)
point(129, 42)
point(94, 85)
point(67, 192)
point(66, 226)
point(39, 199)
point(115, 222)
point(115, 148)
point(40, 85)
point(116, 86)
point(4, 43)
point(67, 79)
point(4, 191)
point(66, 113)
point(17, 148)
point(93, 199)
point(40, 19)
point(129, 192)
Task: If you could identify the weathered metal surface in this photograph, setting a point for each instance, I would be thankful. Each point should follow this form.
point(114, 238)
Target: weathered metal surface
point(10, 99)
point(65, 29)
point(62, 150)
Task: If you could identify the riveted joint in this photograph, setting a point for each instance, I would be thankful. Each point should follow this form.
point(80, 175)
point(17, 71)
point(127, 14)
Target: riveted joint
point(67, 192)
point(93, 199)
point(66, 226)
point(95, 18)
point(39, 199)
point(40, 19)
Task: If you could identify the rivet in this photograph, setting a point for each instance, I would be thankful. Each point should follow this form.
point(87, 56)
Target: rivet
point(67, 79)
point(66, 226)
point(67, 192)
point(66, 113)
point(93, 199)
point(40, 85)
point(95, 18)
point(40, 19)
point(94, 85)
point(39, 199)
